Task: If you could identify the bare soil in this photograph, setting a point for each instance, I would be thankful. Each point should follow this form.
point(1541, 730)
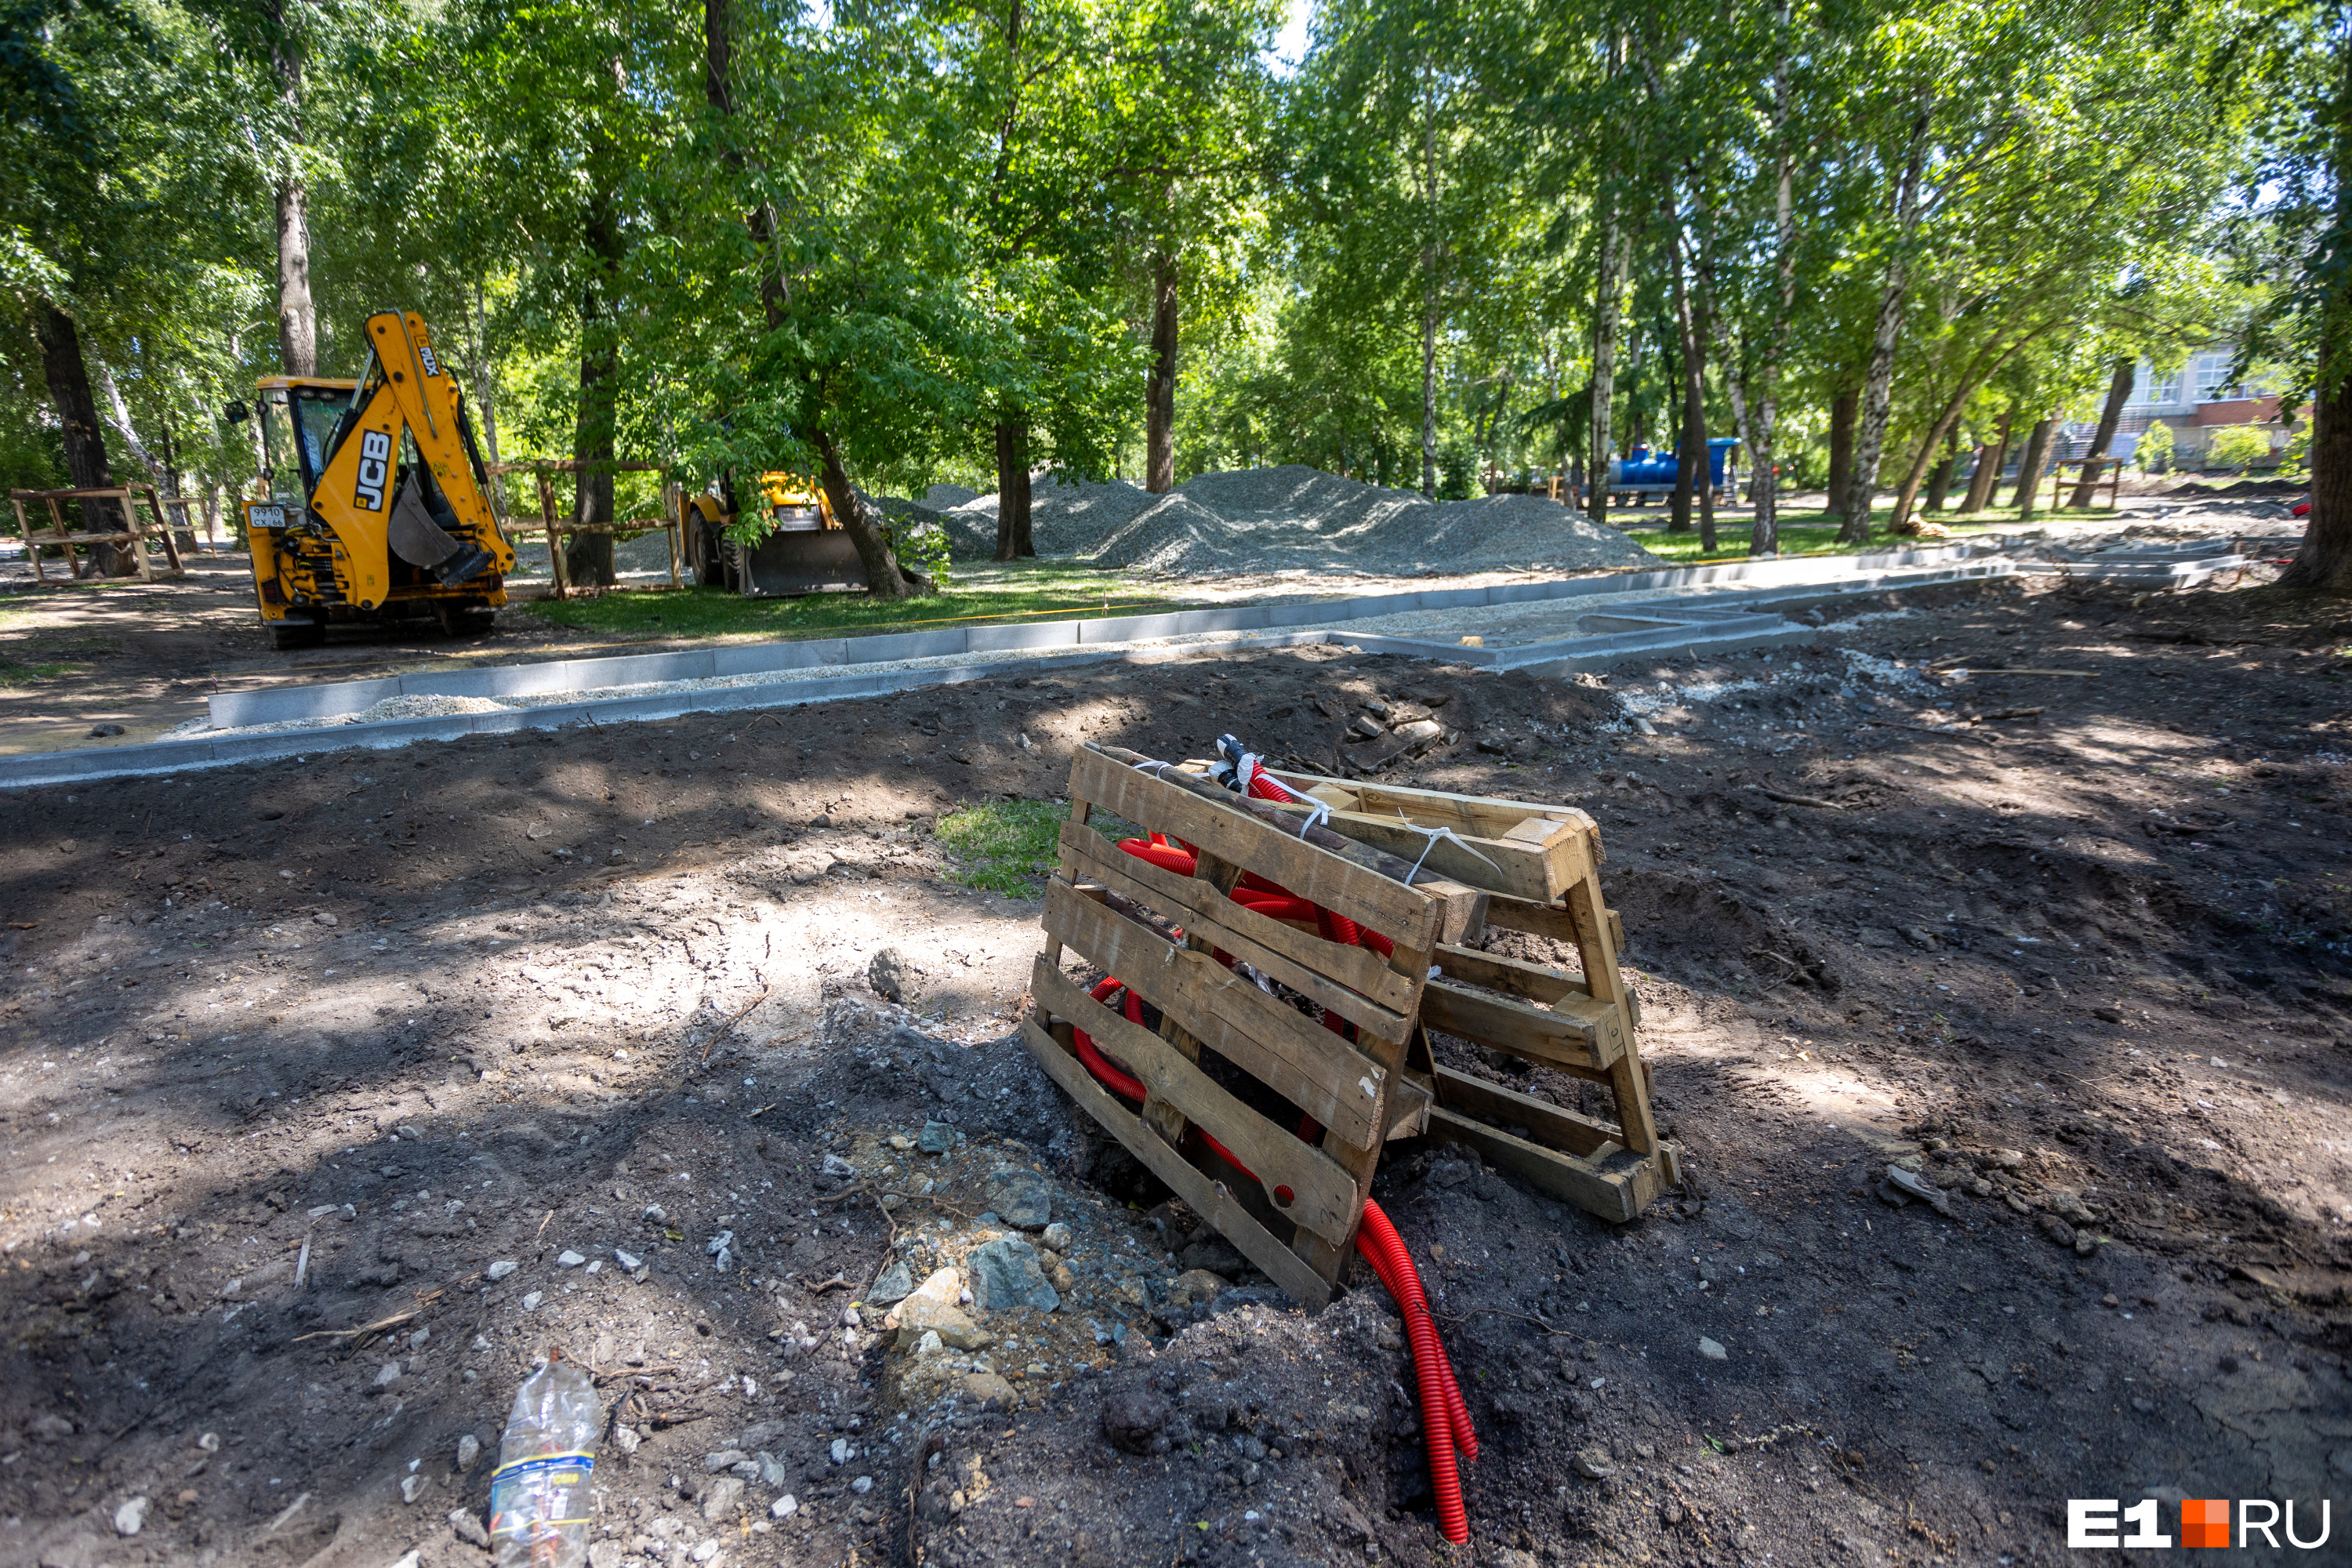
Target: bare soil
point(390, 1021)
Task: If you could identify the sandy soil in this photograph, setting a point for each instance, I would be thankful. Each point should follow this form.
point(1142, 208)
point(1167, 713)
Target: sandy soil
point(391, 1022)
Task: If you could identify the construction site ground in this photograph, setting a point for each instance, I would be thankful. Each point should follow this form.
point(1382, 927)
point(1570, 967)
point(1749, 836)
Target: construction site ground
point(334, 1092)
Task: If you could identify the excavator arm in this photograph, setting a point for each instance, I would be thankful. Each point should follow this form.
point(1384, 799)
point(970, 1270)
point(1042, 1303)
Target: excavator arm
point(402, 484)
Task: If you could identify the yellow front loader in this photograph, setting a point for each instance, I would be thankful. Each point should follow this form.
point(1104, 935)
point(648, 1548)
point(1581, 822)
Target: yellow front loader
point(804, 550)
point(379, 508)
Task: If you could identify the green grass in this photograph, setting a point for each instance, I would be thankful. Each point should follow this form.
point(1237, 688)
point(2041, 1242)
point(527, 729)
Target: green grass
point(1811, 532)
point(1004, 846)
point(14, 674)
point(984, 594)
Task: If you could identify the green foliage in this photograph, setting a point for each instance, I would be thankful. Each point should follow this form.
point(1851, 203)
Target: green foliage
point(909, 224)
point(2154, 452)
point(2296, 456)
point(1004, 846)
point(1455, 471)
point(2238, 447)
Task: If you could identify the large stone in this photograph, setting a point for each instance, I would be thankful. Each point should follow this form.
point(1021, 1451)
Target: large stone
point(895, 1286)
point(719, 1498)
point(937, 1137)
point(888, 973)
point(1022, 1199)
point(933, 1308)
point(987, 1387)
point(1195, 1287)
point(1005, 1277)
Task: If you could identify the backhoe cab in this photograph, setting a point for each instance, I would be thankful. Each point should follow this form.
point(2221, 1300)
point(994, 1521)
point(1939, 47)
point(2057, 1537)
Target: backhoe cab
point(378, 506)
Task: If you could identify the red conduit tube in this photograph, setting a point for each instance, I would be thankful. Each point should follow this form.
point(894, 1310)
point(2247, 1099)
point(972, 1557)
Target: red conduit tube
point(1387, 1245)
point(1377, 1239)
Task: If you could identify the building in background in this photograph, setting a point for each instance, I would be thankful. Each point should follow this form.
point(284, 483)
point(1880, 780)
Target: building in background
point(2195, 400)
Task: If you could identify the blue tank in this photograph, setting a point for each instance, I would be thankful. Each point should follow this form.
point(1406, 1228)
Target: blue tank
point(1645, 473)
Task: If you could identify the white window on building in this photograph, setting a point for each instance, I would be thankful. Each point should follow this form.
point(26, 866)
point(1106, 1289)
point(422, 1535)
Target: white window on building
point(2154, 390)
point(2211, 374)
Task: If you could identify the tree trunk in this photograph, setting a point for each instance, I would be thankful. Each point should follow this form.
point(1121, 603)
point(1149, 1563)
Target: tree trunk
point(1988, 461)
point(1764, 537)
point(1013, 491)
point(2111, 414)
point(885, 578)
point(484, 387)
point(1607, 289)
point(1878, 382)
point(85, 442)
point(2029, 467)
point(1160, 388)
point(1843, 408)
point(1690, 451)
point(298, 319)
point(1431, 250)
point(2324, 564)
point(1939, 482)
point(588, 557)
point(1429, 391)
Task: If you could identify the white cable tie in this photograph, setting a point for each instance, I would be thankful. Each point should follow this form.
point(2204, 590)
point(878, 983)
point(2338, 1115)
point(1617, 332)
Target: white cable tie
point(1429, 836)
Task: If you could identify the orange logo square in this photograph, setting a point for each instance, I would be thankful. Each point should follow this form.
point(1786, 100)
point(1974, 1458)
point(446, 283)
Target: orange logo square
point(2205, 1522)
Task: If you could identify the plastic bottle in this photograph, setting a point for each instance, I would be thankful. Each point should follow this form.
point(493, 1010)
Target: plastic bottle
point(539, 1496)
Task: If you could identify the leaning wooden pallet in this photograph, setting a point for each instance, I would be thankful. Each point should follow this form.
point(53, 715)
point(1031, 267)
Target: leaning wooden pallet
point(1175, 928)
point(1120, 914)
point(1542, 864)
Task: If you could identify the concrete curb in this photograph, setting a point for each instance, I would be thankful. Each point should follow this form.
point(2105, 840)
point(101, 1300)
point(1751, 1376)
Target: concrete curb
point(1725, 622)
point(241, 710)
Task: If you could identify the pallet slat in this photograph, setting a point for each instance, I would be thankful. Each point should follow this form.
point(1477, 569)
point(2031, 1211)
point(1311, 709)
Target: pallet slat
point(1324, 1198)
point(1617, 1186)
point(1312, 1067)
point(1577, 1033)
point(1344, 884)
point(1209, 1199)
point(1290, 955)
point(1563, 1128)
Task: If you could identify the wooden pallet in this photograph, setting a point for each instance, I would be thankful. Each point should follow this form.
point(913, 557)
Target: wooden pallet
point(1540, 863)
point(1119, 914)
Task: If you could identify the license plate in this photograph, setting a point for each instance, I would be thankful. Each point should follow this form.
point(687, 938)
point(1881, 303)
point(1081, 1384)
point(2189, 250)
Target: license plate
point(264, 517)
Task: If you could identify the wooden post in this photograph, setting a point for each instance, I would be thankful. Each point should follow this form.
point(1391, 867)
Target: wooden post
point(554, 545)
point(139, 567)
point(1598, 955)
point(2115, 483)
point(675, 517)
point(58, 521)
point(32, 548)
point(163, 521)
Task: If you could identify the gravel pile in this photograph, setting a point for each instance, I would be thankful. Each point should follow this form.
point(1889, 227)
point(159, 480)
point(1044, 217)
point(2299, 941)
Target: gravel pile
point(1295, 518)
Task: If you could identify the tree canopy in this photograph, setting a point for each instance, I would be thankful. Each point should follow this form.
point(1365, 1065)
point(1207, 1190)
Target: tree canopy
point(1458, 245)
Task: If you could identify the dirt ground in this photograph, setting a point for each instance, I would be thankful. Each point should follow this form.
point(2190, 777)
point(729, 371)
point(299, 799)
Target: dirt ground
point(334, 1092)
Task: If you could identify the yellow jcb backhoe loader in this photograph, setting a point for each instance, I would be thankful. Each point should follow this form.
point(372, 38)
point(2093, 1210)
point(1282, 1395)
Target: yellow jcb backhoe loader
point(379, 508)
point(806, 550)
